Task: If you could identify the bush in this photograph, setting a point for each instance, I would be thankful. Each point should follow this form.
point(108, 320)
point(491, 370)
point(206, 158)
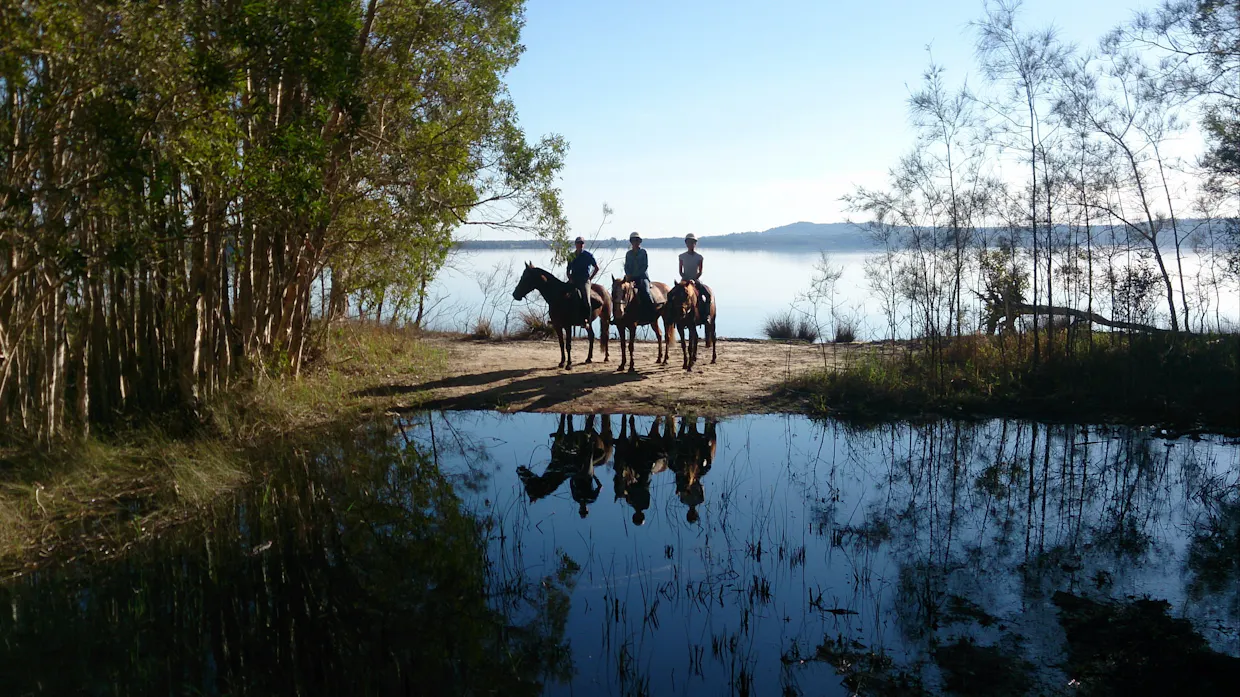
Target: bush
point(787, 326)
point(534, 324)
point(845, 331)
point(781, 326)
point(1164, 378)
point(806, 331)
point(482, 329)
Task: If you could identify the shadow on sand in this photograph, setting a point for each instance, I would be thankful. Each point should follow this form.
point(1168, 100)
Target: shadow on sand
point(538, 393)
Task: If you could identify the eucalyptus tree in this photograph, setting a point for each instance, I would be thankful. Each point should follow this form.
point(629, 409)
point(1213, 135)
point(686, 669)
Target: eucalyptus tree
point(1023, 64)
point(1111, 98)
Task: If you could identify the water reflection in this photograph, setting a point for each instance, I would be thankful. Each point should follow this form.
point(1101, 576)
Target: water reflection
point(774, 553)
point(352, 569)
point(476, 552)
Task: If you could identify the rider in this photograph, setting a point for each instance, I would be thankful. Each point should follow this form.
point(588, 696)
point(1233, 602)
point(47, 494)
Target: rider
point(581, 270)
point(691, 270)
point(635, 264)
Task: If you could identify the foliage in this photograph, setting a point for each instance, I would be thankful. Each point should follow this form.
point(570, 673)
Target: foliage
point(1181, 380)
point(789, 325)
point(178, 178)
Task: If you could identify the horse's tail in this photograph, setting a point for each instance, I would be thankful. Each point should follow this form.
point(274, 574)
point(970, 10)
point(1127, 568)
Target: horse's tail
point(604, 319)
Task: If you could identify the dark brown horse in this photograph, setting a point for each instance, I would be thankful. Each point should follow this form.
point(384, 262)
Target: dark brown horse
point(684, 312)
point(564, 305)
point(629, 314)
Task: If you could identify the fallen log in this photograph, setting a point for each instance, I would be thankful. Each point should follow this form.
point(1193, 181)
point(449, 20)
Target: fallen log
point(1016, 309)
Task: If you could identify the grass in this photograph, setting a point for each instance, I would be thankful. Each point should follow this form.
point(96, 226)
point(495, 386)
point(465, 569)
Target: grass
point(100, 493)
point(788, 326)
point(534, 324)
point(1181, 380)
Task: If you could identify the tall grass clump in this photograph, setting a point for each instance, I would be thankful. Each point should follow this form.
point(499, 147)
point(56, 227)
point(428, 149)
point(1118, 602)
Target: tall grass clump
point(1148, 378)
point(534, 324)
point(787, 326)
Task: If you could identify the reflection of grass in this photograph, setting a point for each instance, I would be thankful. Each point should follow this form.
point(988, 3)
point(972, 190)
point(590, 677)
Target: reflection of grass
point(104, 490)
point(1180, 379)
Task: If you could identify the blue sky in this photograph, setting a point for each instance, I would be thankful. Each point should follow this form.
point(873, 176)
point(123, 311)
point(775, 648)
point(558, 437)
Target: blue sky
point(716, 116)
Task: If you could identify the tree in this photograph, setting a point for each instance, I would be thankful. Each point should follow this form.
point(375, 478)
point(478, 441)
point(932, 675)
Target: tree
point(177, 177)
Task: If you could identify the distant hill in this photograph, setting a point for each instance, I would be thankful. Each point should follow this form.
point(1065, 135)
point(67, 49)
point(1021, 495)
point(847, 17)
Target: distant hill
point(832, 237)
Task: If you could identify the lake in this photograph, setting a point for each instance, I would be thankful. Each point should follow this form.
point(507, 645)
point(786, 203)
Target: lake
point(480, 553)
point(750, 286)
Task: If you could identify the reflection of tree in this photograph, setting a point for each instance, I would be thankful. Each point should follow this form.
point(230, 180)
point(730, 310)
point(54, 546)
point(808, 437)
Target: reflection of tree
point(988, 521)
point(1214, 556)
point(351, 570)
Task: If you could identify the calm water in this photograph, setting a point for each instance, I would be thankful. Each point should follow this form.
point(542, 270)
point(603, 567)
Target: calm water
point(480, 553)
point(750, 287)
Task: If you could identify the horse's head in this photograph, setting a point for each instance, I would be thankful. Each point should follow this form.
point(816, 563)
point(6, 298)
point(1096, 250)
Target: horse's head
point(621, 295)
point(530, 279)
point(682, 300)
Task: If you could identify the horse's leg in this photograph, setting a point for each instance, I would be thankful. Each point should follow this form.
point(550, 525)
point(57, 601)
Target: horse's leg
point(568, 346)
point(620, 336)
point(559, 336)
point(658, 340)
point(714, 342)
point(590, 335)
point(604, 335)
point(632, 348)
point(685, 346)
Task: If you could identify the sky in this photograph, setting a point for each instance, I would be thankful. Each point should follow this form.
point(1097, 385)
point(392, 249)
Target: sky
point(714, 116)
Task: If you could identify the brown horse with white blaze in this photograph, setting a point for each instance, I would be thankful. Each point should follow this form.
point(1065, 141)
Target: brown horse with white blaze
point(683, 310)
point(564, 308)
point(628, 316)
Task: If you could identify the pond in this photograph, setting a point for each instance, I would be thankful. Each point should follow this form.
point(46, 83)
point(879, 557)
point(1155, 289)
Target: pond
point(477, 552)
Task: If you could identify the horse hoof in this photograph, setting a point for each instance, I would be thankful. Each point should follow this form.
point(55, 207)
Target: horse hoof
point(632, 369)
point(589, 360)
point(568, 366)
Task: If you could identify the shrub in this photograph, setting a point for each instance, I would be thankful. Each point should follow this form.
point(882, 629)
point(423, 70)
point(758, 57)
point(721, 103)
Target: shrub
point(780, 326)
point(806, 331)
point(482, 329)
point(787, 326)
point(534, 324)
point(845, 331)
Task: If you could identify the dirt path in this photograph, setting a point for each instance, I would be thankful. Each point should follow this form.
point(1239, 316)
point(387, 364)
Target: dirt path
point(521, 376)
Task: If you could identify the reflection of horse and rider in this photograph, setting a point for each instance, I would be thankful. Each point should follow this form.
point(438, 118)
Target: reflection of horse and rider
point(639, 456)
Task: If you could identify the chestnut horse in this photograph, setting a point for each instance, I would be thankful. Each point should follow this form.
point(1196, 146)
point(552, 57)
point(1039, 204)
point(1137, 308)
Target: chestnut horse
point(628, 316)
point(564, 305)
point(683, 311)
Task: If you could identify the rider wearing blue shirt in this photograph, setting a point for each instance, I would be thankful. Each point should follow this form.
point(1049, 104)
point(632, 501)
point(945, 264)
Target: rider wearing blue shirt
point(635, 264)
point(581, 270)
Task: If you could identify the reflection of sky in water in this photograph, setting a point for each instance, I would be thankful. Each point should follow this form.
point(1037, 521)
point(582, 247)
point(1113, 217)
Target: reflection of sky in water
point(892, 537)
point(750, 287)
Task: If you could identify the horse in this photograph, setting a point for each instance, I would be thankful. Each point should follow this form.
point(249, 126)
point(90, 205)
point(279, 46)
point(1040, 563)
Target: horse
point(564, 305)
point(683, 311)
point(628, 316)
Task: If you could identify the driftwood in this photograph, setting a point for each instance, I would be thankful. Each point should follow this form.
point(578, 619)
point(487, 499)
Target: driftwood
point(1013, 310)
